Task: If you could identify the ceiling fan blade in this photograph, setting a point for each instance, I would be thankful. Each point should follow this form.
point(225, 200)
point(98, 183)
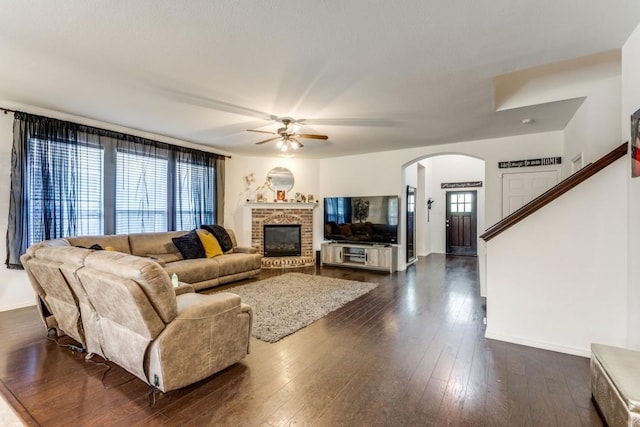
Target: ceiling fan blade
point(217, 104)
point(267, 140)
point(261, 131)
point(312, 136)
point(354, 121)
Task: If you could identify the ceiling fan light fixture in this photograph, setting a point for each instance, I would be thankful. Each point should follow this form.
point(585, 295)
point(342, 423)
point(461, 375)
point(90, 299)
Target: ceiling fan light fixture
point(287, 135)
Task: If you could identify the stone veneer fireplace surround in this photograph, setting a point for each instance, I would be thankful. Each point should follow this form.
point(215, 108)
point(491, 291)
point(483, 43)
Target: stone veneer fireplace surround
point(284, 213)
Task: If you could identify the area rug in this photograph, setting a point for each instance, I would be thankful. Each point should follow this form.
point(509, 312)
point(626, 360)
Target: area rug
point(283, 304)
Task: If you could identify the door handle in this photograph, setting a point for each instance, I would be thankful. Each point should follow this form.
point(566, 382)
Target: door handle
point(447, 223)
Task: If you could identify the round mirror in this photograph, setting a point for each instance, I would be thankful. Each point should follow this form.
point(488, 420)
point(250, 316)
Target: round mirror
point(280, 178)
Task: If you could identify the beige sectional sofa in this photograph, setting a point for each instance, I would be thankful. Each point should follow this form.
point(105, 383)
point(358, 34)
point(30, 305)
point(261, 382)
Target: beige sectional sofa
point(124, 308)
point(237, 264)
point(120, 303)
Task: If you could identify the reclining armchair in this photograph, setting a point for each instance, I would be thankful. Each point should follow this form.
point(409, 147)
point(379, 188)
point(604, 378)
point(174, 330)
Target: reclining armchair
point(168, 341)
point(51, 273)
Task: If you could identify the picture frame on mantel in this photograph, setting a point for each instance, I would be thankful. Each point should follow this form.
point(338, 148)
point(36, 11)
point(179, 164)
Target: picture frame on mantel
point(281, 195)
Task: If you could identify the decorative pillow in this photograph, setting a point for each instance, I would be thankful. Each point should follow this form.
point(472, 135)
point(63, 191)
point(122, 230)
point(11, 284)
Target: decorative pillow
point(209, 243)
point(189, 245)
point(221, 236)
point(96, 247)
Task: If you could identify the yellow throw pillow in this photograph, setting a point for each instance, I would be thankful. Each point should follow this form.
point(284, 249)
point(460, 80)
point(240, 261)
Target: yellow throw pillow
point(211, 246)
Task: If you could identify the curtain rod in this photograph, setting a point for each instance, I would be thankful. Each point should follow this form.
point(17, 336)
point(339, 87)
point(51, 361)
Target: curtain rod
point(8, 110)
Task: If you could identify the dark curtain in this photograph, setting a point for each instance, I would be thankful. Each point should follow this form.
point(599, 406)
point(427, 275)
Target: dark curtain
point(195, 190)
point(69, 179)
point(47, 160)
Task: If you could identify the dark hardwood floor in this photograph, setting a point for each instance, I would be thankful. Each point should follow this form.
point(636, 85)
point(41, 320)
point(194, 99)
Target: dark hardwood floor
point(411, 352)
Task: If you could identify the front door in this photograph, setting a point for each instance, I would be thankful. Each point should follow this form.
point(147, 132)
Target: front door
point(461, 223)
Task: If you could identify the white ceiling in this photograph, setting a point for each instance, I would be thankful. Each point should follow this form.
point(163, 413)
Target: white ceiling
point(374, 75)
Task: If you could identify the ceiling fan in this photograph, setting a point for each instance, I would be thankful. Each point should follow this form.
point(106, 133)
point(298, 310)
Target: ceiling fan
point(288, 135)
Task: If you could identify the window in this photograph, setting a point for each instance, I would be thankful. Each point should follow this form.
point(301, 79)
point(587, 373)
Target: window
point(64, 181)
point(195, 195)
point(461, 203)
point(70, 179)
point(141, 193)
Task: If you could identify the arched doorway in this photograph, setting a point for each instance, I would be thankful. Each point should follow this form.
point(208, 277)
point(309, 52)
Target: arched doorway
point(437, 178)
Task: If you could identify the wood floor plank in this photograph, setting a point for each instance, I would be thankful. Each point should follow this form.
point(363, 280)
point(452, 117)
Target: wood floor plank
point(411, 352)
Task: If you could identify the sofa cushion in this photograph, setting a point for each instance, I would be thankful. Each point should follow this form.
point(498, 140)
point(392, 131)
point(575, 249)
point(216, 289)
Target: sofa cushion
point(237, 263)
point(209, 243)
point(165, 258)
point(71, 255)
point(194, 270)
point(119, 242)
point(221, 235)
point(232, 236)
point(190, 245)
point(143, 244)
point(150, 277)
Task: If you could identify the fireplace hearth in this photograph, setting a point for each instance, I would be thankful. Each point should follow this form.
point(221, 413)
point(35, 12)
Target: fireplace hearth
point(282, 240)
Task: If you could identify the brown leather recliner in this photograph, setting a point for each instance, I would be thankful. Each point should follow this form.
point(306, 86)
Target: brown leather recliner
point(51, 270)
point(168, 341)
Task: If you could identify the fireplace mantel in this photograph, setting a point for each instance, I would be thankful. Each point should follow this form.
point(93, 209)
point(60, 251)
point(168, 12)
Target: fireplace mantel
point(282, 205)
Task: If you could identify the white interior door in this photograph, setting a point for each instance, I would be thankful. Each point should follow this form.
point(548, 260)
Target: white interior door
point(520, 188)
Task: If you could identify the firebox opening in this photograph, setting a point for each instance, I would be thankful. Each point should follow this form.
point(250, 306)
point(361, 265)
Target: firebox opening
point(282, 240)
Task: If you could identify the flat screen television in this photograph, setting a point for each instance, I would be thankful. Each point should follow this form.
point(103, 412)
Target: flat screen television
point(361, 219)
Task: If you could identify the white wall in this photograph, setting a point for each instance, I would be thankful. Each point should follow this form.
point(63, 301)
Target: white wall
point(594, 129)
point(630, 104)
point(575, 137)
point(421, 213)
point(450, 168)
point(557, 280)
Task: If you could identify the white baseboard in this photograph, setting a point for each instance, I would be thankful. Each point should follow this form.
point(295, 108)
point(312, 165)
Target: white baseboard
point(17, 306)
point(583, 352)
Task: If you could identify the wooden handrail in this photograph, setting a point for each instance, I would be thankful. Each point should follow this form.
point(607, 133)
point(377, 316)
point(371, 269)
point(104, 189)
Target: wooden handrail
point(555, 192)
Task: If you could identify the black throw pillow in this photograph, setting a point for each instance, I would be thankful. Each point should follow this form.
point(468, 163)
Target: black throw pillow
point(189, 245)
point(221, 236)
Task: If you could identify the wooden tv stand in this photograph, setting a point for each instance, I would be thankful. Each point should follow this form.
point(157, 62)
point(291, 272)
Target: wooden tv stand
point(373, 257)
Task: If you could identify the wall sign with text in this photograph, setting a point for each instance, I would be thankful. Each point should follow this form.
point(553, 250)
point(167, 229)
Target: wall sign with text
point(461, 184)
point(545, 161)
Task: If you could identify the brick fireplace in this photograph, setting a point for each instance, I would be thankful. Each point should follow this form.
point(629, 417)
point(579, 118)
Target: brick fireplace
point(284, 213)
